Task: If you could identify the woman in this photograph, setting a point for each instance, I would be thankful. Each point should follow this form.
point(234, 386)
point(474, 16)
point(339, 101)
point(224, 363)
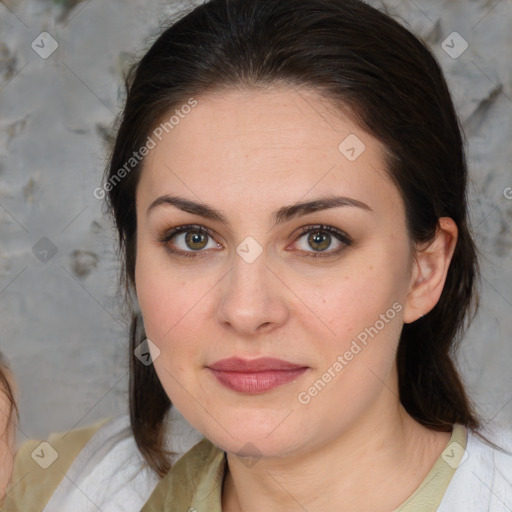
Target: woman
point(288, 182)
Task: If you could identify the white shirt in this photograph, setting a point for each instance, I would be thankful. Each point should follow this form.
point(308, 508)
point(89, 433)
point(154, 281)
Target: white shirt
point(110, 474)
point(483, 480)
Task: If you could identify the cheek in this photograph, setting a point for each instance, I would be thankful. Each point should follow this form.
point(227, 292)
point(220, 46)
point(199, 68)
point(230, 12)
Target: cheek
point(167, 306)
point(357, 355)
point(359, 320)
point(159, 294)
point(353, 299)
point(171, 306)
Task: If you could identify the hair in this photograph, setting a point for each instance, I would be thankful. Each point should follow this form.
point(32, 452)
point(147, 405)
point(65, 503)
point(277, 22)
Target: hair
point(360, 61)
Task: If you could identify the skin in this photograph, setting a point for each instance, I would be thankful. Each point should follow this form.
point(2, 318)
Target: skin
point(6, 441)
point(249, 153)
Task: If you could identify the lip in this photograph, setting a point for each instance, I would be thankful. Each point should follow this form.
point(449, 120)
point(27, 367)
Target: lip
point(255, 375)
point(262, 364)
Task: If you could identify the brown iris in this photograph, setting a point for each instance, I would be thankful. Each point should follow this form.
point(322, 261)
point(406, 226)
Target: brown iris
point(319, 240)
point(195, 240)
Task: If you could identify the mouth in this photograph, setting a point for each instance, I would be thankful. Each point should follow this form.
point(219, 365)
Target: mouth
point(256, 375)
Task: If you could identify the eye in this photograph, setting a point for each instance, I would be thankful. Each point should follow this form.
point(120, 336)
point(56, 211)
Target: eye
point(320, 239)
point(192, 240)
point(188, 240)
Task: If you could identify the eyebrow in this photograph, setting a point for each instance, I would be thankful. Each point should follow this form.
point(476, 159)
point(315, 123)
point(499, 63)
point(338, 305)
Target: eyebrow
point(279, 216)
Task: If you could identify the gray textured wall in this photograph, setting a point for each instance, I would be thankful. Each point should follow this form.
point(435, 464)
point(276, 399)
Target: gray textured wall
point(61, 325)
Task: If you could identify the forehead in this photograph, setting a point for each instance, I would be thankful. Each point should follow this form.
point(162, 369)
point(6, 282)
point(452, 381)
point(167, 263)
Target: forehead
point(272, 146)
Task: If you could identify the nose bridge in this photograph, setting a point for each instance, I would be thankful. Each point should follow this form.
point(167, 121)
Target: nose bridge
point(251, 295)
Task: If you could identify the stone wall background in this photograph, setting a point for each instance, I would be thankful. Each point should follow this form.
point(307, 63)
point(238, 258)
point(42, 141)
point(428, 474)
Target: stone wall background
point(61, 324)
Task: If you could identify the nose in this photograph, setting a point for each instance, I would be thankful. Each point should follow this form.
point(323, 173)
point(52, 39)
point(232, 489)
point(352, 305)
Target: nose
point(254, 298)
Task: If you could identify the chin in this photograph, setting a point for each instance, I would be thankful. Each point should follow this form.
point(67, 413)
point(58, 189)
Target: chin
point(252, 442)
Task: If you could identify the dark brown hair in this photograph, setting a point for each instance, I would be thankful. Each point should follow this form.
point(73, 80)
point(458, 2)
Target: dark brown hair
point(361, 61)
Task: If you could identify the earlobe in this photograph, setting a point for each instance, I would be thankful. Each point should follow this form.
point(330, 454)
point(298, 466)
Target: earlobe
point(430, 269)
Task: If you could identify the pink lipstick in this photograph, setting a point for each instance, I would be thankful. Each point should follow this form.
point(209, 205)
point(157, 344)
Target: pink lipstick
point(256, 375)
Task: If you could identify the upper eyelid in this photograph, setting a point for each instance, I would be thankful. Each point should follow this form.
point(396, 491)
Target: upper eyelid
point(176, 230)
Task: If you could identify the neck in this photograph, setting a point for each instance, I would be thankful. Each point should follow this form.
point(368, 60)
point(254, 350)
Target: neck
point(375, 464)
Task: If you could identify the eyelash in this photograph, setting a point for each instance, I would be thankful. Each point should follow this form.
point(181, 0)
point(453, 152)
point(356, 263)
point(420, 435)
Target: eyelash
point(342, 237)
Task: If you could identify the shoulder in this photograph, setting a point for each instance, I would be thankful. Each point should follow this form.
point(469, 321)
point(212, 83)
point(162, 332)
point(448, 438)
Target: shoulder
point(495, 449)
point(41, 465)
point(97, 467)
point(483, 479)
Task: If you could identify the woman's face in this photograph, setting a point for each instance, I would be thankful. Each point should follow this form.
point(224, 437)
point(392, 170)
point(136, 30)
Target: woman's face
point(252, 287)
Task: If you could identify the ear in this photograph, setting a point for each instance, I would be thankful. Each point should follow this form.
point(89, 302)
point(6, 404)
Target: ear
point(430, 268)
